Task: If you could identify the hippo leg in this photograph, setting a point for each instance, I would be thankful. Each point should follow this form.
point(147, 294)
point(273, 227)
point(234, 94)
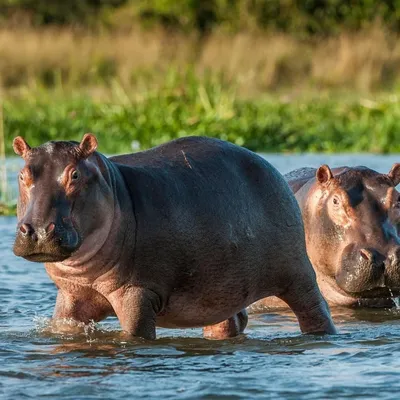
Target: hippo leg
point(93, 307)
point(311, 309)
point(136, 309)
point(227, 329)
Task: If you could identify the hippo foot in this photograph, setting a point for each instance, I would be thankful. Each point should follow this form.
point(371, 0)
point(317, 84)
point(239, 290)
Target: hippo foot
point(229, 328)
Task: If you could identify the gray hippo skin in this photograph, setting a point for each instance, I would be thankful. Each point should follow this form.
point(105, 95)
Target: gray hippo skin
point(187, 234)
point(352, 219)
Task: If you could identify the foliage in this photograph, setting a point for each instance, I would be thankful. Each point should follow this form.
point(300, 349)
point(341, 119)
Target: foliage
point(8, 209)
point(186, 106)
point(42, 12)
point(298, 17)
point(295, 16)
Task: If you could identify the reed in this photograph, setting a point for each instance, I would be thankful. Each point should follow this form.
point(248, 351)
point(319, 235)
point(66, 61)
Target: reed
point(256, 62)
point(3, 169)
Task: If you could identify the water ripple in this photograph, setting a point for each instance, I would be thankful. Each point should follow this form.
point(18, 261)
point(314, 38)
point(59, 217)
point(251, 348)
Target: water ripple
point(272, 360)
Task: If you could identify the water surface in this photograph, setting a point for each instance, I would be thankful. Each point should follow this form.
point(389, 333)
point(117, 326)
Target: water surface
point(272, 360)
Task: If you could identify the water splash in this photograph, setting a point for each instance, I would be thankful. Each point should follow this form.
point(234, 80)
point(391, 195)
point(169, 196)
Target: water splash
point(64, 326)
point(396, 300)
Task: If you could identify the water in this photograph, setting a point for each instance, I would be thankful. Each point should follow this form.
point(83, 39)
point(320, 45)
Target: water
point(273, 360)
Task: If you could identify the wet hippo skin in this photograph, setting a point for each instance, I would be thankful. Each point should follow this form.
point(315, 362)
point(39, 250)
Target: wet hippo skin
point(187, 234)
point(351, 218)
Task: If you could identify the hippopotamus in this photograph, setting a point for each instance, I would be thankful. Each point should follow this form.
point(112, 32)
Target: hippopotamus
point(186, 234)
point(351, 218)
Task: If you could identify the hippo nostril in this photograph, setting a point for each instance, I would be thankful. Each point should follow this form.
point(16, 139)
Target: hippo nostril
point(26, 229)
point(367, 255)
point(50, 228)
point(375, 260)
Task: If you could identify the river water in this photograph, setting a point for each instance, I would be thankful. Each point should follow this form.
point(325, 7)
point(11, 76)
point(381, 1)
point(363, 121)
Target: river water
point(272, 360)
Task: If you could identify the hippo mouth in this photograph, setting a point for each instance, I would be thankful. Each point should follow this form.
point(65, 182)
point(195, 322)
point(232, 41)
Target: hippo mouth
point(45, 257)
point(376, 293)
point(54, 249)
point(43, 254)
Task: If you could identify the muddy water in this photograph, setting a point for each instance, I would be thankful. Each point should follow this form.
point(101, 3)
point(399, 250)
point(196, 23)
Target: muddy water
point(273, 360)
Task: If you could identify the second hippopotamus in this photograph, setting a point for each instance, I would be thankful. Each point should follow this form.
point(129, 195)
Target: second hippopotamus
point(352, 219)
point(187, 234)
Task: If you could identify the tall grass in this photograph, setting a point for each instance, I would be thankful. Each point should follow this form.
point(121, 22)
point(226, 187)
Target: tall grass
point(3, 169)
point(7, 200)
point(256, 62)
point(185, 105)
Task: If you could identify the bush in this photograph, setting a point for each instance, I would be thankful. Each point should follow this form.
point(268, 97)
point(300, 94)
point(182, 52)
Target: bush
point(299, 17)
point(191, 107)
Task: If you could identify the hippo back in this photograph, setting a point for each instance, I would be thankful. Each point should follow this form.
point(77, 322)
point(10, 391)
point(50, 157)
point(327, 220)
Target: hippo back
point(299, 177)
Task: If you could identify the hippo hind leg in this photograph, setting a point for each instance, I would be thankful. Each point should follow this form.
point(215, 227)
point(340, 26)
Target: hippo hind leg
point(229, 328)
point(306, 301)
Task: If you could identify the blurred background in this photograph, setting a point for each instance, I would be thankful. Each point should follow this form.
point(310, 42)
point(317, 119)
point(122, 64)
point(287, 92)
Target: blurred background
point(271, 75)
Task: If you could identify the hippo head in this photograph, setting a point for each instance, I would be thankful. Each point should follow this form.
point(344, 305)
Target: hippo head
point(354, 236)
point(57, 186)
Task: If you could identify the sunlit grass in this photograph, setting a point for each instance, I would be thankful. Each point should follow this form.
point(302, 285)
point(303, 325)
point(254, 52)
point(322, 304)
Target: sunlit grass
point(256, 62)
point(184, 105)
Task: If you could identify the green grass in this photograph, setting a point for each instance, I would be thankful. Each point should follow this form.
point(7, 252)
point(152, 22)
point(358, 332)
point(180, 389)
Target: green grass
point(8, 209)
point(185, 105)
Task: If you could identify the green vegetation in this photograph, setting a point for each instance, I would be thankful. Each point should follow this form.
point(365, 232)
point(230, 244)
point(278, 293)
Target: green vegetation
point(147, 71)
point(8, 209)
point(187, 106)
point(297, 17)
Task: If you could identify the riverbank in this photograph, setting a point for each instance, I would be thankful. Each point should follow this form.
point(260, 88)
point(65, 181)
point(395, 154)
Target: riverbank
point(126, 120)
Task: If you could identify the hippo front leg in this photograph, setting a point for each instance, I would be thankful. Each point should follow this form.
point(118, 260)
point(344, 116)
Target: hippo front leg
point(229, 328)
point(93, 307)
point(136, 309)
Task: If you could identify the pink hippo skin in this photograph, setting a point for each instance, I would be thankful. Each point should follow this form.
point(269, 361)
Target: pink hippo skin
point(351, 218)
point(187, 234)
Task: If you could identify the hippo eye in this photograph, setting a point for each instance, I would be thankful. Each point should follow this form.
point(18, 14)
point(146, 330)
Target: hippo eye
point(21, 176)
point(75, 175)
point(335, 201)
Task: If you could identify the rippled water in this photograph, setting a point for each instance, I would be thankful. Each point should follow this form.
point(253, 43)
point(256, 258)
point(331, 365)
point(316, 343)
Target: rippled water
point(272, 360)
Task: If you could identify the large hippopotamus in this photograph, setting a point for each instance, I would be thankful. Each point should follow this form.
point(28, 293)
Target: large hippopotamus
point(187, 234)
point(351, 218)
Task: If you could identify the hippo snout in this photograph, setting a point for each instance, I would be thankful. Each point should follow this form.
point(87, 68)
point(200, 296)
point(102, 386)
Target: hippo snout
point(48, 242)
point(368, 272)
point(362, 270)
point(393, 268)
point(27, 231)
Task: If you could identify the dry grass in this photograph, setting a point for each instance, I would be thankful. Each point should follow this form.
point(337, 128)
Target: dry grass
point(256, 62)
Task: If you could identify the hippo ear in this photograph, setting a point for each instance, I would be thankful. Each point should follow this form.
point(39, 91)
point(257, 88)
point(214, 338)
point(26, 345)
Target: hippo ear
point(88, 145)
point(394, 174)
point(324, 174)
point(21, 147)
